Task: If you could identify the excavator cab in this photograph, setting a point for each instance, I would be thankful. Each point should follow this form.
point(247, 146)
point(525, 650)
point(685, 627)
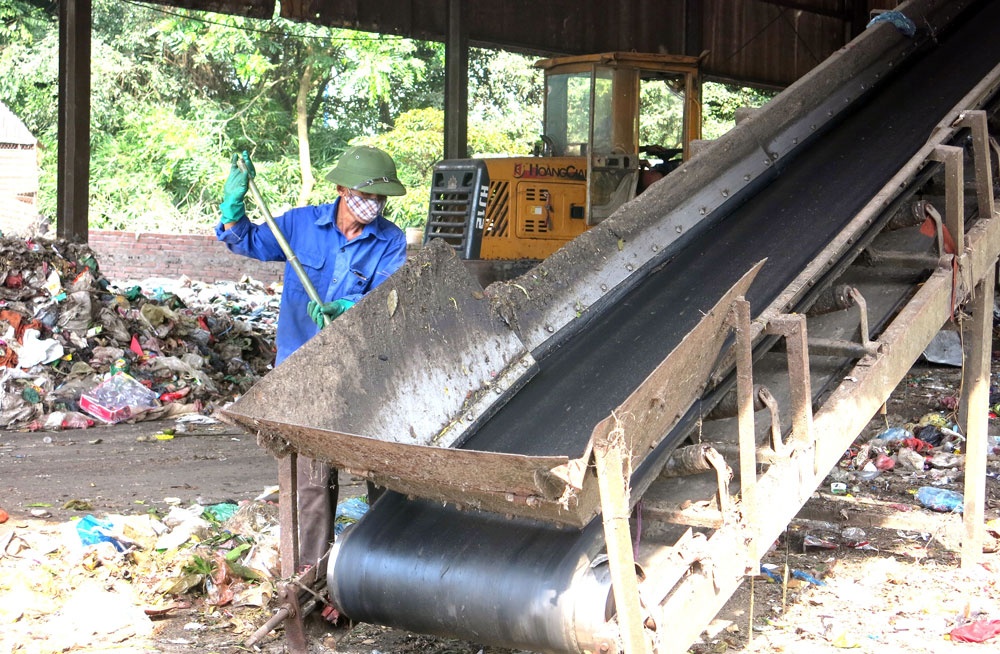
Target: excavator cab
point(599, 111)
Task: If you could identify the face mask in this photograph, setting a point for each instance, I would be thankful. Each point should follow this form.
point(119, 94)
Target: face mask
point(364, 209)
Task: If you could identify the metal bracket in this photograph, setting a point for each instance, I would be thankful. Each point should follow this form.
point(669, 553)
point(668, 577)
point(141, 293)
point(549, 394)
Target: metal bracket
point(611, 458)
point(792, 327)
point(859, 300)
point(926, 209)
point(839, 347)
point(976, 121)
point(696, 459)
point(954, 190)
point(778, 446)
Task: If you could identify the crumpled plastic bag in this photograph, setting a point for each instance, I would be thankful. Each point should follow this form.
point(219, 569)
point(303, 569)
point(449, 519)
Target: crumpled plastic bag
point(13, 406)
point(184, 525)
point(164, 366)
point(976, 632)
point(76, 312)
point(58, 420)
point(36, 350)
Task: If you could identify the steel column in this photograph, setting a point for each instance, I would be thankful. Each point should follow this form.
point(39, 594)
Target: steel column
point(456, 84)
point(73, 168)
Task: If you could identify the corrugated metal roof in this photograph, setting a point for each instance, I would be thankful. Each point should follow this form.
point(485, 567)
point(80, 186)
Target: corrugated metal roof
point(759, 42)
point(12, 130)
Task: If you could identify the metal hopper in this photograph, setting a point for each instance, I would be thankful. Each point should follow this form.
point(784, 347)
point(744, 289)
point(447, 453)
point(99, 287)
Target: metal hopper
point(390, 390)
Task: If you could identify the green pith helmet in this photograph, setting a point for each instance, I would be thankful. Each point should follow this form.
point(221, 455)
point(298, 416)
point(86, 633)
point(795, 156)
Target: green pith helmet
point(367, 169)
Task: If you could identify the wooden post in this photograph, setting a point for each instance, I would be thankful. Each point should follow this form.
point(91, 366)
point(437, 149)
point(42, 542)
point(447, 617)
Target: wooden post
point(975, 402)
point(610, 457)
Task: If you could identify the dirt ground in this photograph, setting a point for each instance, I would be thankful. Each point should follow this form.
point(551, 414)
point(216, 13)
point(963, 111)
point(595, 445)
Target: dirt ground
point(895, 586)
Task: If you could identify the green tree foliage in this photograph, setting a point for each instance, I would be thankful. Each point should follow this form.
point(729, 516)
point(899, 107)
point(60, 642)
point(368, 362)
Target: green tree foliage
point(720, 102)
point(175, 93)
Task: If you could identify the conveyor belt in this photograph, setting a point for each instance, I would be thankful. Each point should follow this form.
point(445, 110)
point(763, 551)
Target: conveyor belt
point(788, 222)
point(421, 566)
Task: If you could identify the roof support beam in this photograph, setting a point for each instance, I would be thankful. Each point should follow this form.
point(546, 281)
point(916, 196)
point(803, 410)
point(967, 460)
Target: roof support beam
point(811, 8)
point(73, 171)
point(456, 84)
point(694, 16)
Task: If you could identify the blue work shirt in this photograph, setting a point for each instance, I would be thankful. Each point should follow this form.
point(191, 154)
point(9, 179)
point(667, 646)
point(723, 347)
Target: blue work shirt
point(338, 268)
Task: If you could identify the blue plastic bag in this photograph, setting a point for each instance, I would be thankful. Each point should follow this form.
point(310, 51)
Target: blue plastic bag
point(896, 19)
point(895, 434)
point(349, 512)
point(808, 578)
point(93, 531)
point(940, 499)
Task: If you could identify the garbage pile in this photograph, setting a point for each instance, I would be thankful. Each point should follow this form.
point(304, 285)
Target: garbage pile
point(926, 456)
point(159, 352)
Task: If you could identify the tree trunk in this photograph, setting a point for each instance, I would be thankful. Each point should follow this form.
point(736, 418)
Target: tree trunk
point(302, 127)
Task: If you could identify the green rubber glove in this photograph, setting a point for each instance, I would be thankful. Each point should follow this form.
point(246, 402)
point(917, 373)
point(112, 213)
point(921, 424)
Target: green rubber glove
point(331, 309)
point(236, 189)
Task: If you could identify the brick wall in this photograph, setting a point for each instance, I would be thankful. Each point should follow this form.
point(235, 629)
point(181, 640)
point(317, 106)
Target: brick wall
point(130, 255)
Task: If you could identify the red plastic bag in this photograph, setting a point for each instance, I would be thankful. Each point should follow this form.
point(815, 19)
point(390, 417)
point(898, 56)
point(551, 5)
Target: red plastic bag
point(976, 632)
point(916, 445)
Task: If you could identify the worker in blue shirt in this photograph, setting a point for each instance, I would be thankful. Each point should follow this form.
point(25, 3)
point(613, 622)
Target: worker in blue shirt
point(347, 248)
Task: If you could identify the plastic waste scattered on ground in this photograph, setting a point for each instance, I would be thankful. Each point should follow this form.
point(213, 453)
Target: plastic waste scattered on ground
point(817, 542)
point(946, 460)
point(93, 531)
point(185, 525)
point(768, 570)
point(940, 499)
point(884, 462)
point(895, 434)
point(222, 511)
point(348, 512)
point(976, 632)
point(929, 434)
point(933, 418)
point(869, 471)
point(806, 577)
point(118, 398)
point(910, 460)
point(58, 420)
point(854, 537)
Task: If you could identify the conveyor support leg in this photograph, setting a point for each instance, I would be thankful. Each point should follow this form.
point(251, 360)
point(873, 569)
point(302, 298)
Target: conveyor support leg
point(975, 405)
point(740, 321)
point(610, 457)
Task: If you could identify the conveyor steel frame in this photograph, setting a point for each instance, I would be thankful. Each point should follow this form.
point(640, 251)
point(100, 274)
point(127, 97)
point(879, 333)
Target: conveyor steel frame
point(707, 570)
point(705, 585)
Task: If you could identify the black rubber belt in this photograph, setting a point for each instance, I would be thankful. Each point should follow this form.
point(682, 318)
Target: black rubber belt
point(788, 222)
